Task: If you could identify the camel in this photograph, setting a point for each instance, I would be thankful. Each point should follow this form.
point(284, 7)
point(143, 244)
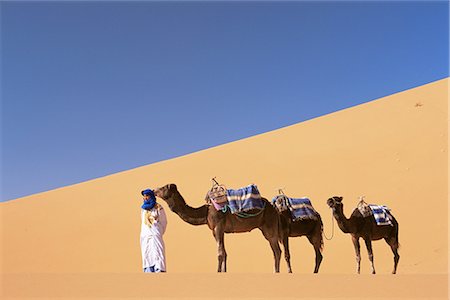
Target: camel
point(220, 223)
point(366, 228)
point(312, 229)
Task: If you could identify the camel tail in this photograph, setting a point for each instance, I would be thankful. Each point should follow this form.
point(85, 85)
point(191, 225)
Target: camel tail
point(395, 233)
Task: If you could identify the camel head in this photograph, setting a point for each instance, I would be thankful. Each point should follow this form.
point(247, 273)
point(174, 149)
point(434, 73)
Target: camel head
point(166, 191)
point(335, 202)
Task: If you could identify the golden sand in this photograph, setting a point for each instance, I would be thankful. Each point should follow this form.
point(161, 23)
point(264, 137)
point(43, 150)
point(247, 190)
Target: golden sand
point(394, 150)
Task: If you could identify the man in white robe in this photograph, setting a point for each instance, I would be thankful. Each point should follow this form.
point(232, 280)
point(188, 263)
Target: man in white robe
point(153, 226)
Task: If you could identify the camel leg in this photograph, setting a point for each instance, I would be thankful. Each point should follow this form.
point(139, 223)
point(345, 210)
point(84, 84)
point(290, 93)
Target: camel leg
point(355, 241)
point(224, 258)
point(317, 248)
point(276, 252)
point(287, 254)
point(221, 253)
point(370, 251)
point(273, 240)
point(394, 247)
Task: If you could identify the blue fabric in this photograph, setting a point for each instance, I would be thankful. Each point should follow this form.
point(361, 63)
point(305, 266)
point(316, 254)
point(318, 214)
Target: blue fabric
point(148, 192)
point(150, 203)
point(152, 269)
point(149, 269)
point(244, 199)
point(302, 209)
point(382, 214)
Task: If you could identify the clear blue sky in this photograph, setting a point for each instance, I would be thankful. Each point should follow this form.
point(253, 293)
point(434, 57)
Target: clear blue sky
point(93, 88)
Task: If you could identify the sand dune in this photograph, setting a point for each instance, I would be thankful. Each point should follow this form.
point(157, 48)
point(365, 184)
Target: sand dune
point(393, 150)
point(228, 286)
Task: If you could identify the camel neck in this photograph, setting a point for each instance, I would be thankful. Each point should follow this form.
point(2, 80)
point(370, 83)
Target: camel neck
point(346, 225)
point(193, 216)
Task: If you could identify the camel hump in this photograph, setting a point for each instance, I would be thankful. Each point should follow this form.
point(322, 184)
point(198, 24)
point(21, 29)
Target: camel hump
point(381, 213)
point(281, 202)
point(245, 199)
point(300, 208)
point(364, 208)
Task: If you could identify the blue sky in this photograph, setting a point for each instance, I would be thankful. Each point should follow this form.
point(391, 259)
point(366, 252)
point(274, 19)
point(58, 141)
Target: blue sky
point(93, 88)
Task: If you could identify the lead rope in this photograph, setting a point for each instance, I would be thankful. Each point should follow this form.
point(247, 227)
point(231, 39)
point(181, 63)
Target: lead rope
point(332, 228)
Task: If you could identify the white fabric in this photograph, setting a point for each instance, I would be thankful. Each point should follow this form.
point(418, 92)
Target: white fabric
point(153, 226)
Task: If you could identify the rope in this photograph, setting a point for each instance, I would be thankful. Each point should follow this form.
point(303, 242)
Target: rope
point(332, 228)
point(246, 215)
point(224, 209)
point(243, 214)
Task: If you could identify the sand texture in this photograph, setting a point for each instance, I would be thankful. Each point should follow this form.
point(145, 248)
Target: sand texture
point(82, 241)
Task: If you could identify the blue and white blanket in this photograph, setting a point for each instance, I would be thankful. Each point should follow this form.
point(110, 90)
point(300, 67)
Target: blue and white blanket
point(302, 209)
point(244, 199)
point(382, 214)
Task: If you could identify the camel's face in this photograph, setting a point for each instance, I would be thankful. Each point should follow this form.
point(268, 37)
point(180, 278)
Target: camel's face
point(334, 201)
point(166, 191)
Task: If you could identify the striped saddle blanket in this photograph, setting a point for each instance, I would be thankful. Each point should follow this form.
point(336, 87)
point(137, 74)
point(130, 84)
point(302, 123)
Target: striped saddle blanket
point(244, 199)
point(381, 213)
point(301, 208)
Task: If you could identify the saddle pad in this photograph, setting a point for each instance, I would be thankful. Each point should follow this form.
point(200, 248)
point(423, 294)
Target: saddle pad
point(302, 209)
point(244, 199)
point(382, 214)
point(281, 202)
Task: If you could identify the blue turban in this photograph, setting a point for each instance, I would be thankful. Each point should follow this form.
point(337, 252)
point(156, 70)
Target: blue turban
point(150, 203)
point(148, 192)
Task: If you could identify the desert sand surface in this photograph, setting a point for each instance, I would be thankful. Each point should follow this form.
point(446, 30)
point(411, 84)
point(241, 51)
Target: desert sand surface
point(82, 241)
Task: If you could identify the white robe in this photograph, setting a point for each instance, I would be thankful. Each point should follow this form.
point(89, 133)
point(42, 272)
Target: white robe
point(153, 226)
